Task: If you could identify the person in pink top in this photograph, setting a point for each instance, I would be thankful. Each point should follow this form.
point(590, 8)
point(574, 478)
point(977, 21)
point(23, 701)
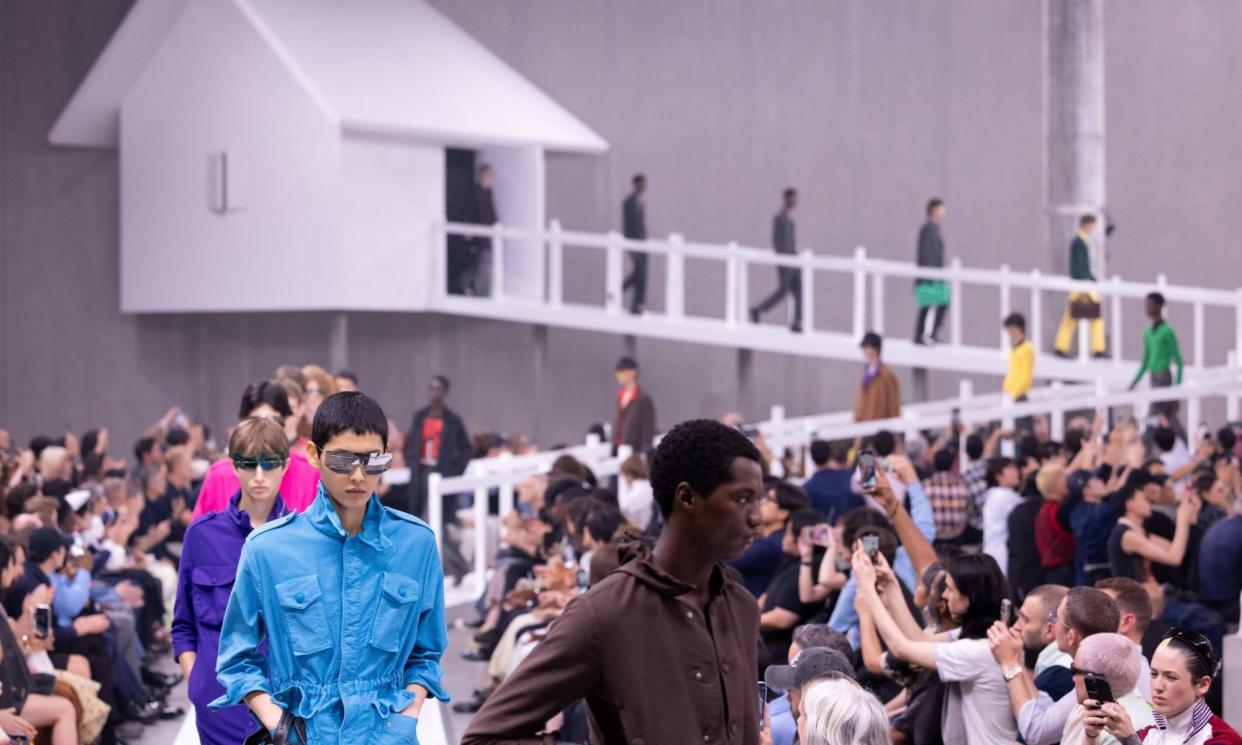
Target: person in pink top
point(301, 481)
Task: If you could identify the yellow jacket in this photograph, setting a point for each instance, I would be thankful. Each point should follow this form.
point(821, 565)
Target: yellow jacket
point(1021, 370)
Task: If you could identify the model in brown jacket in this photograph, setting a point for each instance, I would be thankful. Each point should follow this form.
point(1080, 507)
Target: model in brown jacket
point(664, 650)
point(879, 397)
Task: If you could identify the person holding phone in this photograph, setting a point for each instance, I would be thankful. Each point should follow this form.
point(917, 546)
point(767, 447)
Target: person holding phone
point(1182, 670)
point(259, 453)
point(1106, 671)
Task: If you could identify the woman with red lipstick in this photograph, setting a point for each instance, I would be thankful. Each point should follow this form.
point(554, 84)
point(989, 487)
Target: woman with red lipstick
point(1182, 670)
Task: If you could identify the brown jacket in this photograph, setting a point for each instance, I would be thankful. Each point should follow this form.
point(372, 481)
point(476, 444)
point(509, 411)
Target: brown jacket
point(636, 425)
point(651, 669)
point(879, 399)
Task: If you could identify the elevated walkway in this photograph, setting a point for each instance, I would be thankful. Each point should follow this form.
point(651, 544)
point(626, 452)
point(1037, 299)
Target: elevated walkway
point(728, 323)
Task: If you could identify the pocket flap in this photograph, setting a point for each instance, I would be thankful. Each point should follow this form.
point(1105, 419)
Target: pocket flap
point(399, 588)
point(296, 594)
point(214, 576)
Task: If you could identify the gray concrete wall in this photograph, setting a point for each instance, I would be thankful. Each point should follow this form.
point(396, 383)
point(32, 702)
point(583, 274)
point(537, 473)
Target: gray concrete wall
point(867, 107)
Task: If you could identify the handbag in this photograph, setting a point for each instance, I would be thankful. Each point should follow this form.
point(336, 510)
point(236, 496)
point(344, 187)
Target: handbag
point(1084, 308)
point(288, 722)
point(931, 294)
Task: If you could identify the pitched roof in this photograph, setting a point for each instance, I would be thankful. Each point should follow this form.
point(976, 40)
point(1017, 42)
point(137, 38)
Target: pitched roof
point(388, 67)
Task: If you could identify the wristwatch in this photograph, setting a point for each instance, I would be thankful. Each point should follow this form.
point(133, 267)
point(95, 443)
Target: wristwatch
point(1011, 672)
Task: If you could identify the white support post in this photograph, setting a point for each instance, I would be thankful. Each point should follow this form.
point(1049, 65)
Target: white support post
point(506, 489)
point(556, 265)
point(480, 539)
point(1056, 423)
point(1114, 296)
point(1037, 311)
point(498, 263)
point(965, 392)
point(675, 285)
point(1237, 327)
point(1006, 304)
point(612, 274)
point(808, 291)
point(1200, 349)
point(435, 507)
point(877, 303)
point(1084, 340)
point(1194, 411)
point(860, 292)
point(731, 285)
point(438, 259)
point(741, 308)
point(777, 444)
point(955, 301)
point(1231, 399)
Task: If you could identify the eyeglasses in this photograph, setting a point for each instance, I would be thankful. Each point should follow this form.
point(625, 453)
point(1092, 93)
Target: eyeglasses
point(266, 462)
point(344, 462)
point(1198, 644)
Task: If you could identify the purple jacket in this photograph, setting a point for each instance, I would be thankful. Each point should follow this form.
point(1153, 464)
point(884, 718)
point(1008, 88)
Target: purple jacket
point(209, 556)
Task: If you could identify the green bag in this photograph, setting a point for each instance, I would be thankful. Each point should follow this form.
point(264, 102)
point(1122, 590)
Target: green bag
point(931, 294)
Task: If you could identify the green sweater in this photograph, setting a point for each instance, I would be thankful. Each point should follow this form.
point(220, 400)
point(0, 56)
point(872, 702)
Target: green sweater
point(1080, 260)
point(1159, 351)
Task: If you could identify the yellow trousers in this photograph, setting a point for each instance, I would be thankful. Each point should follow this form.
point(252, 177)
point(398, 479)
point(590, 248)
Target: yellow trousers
point(1069, 326)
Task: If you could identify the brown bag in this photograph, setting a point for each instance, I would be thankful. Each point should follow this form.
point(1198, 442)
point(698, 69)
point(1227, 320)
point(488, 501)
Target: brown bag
point(1083, 308)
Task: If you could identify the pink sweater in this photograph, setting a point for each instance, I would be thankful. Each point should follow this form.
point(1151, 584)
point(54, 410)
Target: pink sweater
point(297, 488)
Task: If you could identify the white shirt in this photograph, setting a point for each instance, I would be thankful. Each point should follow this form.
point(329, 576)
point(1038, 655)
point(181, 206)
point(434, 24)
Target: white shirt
point(977, 709)
point(1052, 656)
point(1042, 720)
point(1144, 680)
point(1138, 709)
point(998, 502)
point(637, 503)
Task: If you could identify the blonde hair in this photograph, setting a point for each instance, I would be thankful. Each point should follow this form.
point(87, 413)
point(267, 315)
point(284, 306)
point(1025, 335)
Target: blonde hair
point(174, 455)
point(1045, 479)
point(320, 377)
point(839, 712)
point(52, 460)
point(258, 437)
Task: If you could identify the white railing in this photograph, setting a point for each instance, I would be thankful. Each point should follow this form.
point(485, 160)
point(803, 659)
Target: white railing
point(868, 279)
point(504, 474)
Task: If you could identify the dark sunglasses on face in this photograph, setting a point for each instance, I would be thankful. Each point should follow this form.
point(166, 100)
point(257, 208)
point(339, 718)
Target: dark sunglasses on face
point(1080, 671)
point(266, 462)
point(344, 462)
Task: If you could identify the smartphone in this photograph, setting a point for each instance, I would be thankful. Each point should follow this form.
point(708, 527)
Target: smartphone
point(1151, 422)
point(1006, 611)
point(1205, 433)
point(866, 469)
point(819, 535)
point(1098, 689)
point(871, 546)
point(42, 620)
point(1008, 449)
point(763, 704)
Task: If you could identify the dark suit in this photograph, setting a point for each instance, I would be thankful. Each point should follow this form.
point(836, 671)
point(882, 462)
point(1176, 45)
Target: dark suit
point(788, 279)
point(634, 227)
point(482, 212)
point(930, 253)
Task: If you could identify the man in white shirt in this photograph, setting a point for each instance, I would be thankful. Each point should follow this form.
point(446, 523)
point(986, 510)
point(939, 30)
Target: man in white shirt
point(1136, 612)
point(1084, 612)
point(998, 501)
point(1114, 658)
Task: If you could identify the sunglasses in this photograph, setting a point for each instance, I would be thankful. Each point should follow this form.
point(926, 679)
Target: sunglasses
point(266, 462)
point(1080, 671)
point(344, 462)
point(1198, 644)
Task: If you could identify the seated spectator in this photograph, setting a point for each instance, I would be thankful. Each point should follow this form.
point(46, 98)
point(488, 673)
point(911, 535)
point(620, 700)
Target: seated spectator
point(782, 607)
point(1182, 671)
point(839, 712)
point(999, 501)
point(1115, 659)
point(951, 501)
point(759, 564)
point(829, 487)
point(301, 481)
point(637, 502)
point(1220, 565)
point(1130, 546)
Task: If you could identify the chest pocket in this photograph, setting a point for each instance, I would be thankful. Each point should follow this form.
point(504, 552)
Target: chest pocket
point(302, 603)
point(210, 593)
point(398, 594)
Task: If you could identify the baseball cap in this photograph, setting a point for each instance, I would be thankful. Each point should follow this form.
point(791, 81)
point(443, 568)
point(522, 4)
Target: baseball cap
point(813, 663)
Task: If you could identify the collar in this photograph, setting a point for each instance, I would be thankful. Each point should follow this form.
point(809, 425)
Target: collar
point(241, 518)
point(1019, 344)
point(323, 516)
point(1084, 237)
point(1191, 722)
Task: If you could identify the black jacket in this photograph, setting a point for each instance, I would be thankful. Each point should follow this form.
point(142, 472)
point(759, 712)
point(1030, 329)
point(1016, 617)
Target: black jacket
point(931, 246)
point(634, 219)
point(455, 447)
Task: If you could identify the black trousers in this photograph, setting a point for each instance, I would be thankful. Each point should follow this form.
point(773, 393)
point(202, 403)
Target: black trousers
point(637, 279)
point(788, 282)
point(921, 323)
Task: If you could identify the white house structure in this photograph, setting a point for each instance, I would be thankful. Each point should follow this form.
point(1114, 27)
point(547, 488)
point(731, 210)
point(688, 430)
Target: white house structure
point(291, 154)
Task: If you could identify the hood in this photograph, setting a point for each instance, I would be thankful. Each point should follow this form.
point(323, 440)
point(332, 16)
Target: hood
point(634, 554)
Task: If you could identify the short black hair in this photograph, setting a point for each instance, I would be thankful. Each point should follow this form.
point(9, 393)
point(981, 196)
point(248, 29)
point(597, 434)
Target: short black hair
point(933, 203)
point(1164, 438)
point(266, 392)
point(603, 521)
point(1226, 438)
point(804, 518)
point(349, 375)
point(1090, 611)
point(626, 363)
point(974, 447)
point(143, 446)
point(176, 436)
point(944, 460)
point(1017, 320)
point(1157, 298)
point(349, 411)
point(1086, 220)
point(852, 523)
point(995, 466)
point(443, 381)
point(638, 178)
point(790, 496)
point(820, 452)
point(873, 340)
point(789, 192)
point(698, 452)
point(888, 540)
point(884, 443)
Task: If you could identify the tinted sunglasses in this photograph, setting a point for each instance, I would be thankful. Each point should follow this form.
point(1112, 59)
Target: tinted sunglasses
point(1198, 644)
point(266, 462)
point(1080, 671)
point(344, 462)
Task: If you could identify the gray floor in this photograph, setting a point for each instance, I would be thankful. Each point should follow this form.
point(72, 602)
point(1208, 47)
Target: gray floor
point(166, 731)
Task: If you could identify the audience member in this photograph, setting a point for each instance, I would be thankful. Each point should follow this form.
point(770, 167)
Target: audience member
point(781, 604)
point(1054, 542)
point(1134, 605)
point(879, 396)
point(761, 560)
point(788, 278)
point(1000, 500)
point(1114, 659)
point(837, 711)
point(345, 380)
point(951, 501)
point(806, 665)
point(636, 415)
point(1130, 547)
point(829, 487)
point(636, 500)
point(1220, 565)
point(931, 293)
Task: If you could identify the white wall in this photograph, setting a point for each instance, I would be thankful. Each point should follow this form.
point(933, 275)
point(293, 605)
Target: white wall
point(520, 198)
point(215, 85)
point(392, 194)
